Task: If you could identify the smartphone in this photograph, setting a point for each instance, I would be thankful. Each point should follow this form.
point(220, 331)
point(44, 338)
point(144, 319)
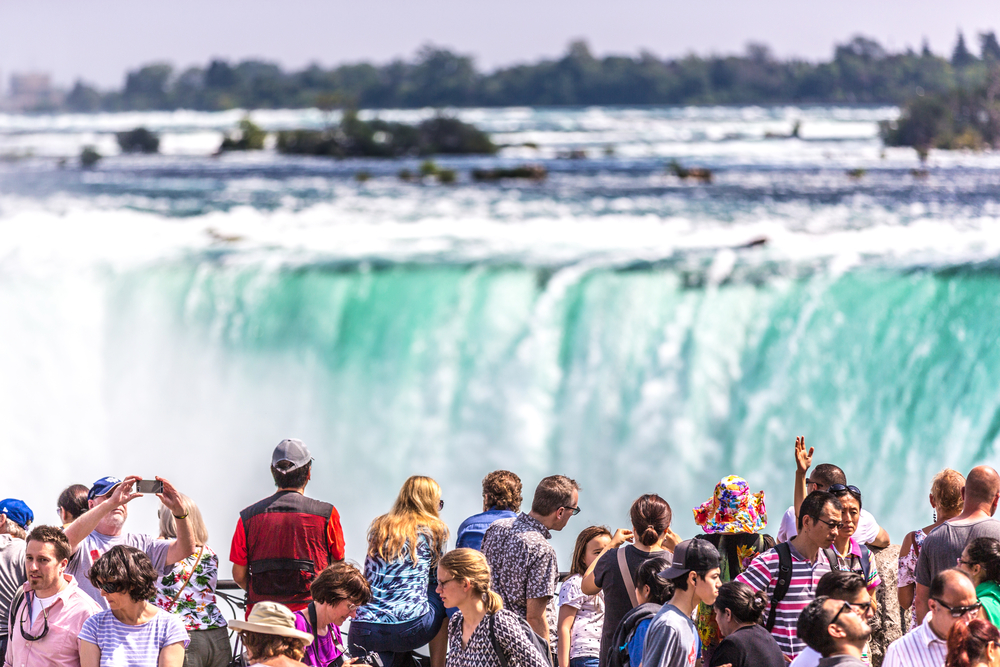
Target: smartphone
point(149, 486)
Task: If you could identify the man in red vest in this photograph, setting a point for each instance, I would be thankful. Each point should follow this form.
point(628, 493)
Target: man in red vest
point(283, 542)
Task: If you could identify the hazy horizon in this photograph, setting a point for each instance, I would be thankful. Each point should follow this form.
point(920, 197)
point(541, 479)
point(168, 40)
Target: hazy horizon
point(99, 44)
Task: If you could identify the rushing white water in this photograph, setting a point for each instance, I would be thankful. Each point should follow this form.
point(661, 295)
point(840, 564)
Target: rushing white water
point(180, 314)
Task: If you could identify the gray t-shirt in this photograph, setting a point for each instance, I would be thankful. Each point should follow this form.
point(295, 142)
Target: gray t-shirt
point(96, 544)
point(671, 641)
point(942, 548)
point(11, 575)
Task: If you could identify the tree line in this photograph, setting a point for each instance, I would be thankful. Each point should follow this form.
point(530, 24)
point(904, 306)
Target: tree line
point(861, 71)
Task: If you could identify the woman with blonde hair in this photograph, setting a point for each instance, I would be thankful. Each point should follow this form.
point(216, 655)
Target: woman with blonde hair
point(404, 547)
point(481, 625)
point(946, 500)
point(188, 590)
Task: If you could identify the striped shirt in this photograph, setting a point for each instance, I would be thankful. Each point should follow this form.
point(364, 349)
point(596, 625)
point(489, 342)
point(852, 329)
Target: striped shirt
point(919, 648)
point(762, 575)
point(124, 645)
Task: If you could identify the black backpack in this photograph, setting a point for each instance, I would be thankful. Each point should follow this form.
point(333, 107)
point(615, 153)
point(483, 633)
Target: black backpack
point(626, 630)
point(540, 644)
point(785, 575)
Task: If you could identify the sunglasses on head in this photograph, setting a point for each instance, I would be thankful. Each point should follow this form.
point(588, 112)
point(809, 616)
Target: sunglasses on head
point(845, 488)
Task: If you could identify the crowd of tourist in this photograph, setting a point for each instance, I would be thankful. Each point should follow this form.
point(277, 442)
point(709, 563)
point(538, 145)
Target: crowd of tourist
point(90, 594)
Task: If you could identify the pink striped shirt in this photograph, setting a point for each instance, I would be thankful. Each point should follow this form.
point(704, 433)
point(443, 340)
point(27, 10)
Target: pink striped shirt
point(762, 575)
point(919, 648)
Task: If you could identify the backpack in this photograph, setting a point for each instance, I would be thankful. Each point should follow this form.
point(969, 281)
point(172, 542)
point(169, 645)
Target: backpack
point(540, 644)
point(866, 560)
point(618, 656)
point(785, 574)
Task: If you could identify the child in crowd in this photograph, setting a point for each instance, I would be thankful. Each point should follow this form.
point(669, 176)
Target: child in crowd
point(651, 593)
point(581, 616)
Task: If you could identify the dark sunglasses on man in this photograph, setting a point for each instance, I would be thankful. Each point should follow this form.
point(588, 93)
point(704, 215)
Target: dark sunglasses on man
point(959, 612)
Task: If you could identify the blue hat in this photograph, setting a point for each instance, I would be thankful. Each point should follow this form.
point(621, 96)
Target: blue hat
point(17, 512)
point(102, 486)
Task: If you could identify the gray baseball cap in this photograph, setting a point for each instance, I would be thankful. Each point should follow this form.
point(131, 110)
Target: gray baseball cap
point(290, 451)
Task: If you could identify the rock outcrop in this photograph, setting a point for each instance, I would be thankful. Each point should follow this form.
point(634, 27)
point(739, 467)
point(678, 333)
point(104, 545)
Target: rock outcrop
point(888, 627)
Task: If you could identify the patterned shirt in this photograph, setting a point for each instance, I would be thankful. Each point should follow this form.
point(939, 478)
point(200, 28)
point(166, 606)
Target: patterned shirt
point(762, 575)
point(919, 648)
point(196, 604)
point(399, 587)
point(479, 652)
point(524, 564)
point(585, 636)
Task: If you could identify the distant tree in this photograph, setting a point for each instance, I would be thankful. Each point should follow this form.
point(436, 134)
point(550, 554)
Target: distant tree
point(139, 140)
point(83, 98)
point(989, 48)
point(860, 47)
point(925, 49)
point(148, 87)
point(961, 56)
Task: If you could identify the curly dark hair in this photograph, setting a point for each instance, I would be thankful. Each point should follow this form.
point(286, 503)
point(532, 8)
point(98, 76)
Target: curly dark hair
point(124, 569)
point(262, 646)
point(341, 581)
point(502, 490)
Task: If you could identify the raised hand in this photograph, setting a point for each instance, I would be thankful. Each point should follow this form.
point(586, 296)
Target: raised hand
point(171, 499)
point(803, 458)
point(621, 536)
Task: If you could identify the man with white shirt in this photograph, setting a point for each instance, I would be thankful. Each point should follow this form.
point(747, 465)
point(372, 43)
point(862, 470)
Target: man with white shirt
point(50, 609)
point(952, 597)
point(823, 477)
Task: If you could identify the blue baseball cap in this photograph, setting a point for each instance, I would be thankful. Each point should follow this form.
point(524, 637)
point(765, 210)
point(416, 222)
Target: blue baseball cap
point(102, 486)
point(17, 512)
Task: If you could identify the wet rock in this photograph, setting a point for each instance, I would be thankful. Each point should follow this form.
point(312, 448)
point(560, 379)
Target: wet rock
point(888, 627)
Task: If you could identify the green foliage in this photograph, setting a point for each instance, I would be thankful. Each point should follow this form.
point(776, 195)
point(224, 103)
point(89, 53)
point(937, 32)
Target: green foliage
point(354, 137)
point(860, 71)
point(447, 176)
point(248, 137)
point(428, 168)
point(139, 140)
point(962, 119)
point(528, 171)
point(89, 157)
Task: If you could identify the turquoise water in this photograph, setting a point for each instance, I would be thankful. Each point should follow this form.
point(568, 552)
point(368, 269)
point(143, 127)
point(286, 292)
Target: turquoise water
point(180, 315)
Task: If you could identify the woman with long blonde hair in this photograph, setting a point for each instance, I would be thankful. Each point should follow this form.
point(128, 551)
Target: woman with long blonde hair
point(481, 625)
point(404, 547)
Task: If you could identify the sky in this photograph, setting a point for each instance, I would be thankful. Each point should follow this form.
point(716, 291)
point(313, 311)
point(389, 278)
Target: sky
point(99, 40)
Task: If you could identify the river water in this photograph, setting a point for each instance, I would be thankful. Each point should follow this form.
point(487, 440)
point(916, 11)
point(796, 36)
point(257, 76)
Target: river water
point(179, 314)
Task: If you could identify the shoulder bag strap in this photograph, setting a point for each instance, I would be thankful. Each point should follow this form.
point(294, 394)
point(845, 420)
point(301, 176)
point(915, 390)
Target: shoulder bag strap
point(497, 648)
point(627, 576)
point(15, 603)
point(784, 581)
point(190, 574)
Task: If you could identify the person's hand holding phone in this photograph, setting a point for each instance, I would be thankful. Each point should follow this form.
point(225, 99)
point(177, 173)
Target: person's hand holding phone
point(171, 498)
point(123, 492)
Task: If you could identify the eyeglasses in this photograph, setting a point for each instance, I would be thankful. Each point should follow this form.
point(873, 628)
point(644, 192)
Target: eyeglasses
point(440, 505)
point(111, 587)
point(966, 563)
point(575, 510)
point(24, 617)
point(846, 607)
point(819, 487)
point(833, 524)
point(959, 612)
point(841, 488)
point(442, 582)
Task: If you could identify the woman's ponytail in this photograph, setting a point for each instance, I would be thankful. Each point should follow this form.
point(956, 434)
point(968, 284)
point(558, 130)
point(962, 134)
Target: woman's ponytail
point(967, 643)
point(492, 601)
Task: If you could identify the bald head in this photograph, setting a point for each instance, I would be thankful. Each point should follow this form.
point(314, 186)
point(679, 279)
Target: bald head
point(981, 486)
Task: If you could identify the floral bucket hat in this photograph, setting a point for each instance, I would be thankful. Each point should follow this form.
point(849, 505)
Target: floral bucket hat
point(733, 509)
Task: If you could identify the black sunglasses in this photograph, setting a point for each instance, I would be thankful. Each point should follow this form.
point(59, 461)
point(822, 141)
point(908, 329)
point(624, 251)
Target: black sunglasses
point(45, 628)
point(841, 488)
point(959, 612)
point(576, 510)
point(111, 587)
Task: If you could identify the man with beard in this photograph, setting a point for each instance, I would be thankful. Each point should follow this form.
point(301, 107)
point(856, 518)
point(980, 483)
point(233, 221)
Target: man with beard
point(837, 630)
point(101, 527)
point(50, 609)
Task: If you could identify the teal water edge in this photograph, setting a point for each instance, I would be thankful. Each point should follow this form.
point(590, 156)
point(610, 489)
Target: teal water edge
point(180, 316)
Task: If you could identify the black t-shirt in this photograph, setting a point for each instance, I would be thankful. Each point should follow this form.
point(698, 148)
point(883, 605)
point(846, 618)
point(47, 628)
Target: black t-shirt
point(608, 577)
point(752, 646)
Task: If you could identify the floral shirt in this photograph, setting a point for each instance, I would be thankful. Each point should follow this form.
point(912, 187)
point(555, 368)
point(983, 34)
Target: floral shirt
point(196, 605)
point(907, 573)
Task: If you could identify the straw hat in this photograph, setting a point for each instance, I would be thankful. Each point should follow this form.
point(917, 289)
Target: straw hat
point(732, 509)
point(271, 618)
